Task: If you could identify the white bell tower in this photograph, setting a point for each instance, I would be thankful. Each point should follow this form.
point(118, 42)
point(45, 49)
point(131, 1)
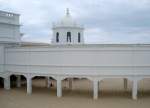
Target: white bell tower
point(67, 31)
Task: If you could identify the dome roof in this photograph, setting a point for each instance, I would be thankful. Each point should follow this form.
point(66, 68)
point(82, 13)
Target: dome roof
point(66, 21)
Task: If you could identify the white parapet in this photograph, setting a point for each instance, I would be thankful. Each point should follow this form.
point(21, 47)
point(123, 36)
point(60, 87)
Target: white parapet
point(9, 27)
point(8, 17)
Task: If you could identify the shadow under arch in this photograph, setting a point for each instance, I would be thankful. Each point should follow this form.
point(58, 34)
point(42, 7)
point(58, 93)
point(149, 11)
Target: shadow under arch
point(144, 88)
point(114, 87)
point(81, 87)
point(1, 82)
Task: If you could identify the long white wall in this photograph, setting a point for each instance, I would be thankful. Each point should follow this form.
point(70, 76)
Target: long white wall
point(80, 59)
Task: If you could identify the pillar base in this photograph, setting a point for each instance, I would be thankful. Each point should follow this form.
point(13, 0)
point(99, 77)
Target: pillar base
point(70, 83)
point(29, 85)
point(125, 84)
point(7, 83)
point(18, 81)
point(95, 89)
point(47, 82)
point(134, 89)
point(59, 88)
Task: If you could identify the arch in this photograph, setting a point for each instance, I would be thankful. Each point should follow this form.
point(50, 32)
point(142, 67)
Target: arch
point(2, 76)
point(68, 36)
point(57, 37)
point(29, 79)
point(79, 37)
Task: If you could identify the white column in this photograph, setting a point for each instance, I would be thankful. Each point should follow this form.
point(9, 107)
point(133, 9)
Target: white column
point(7, 83)
point(134, 89)
point(125, 83)
point(70, 83)
point(95, 89)
point(59, 88)
point(18, 81)
point(29, 85)
point(48, 82)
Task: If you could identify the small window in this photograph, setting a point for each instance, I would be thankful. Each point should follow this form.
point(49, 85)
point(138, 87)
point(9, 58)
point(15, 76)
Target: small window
point(57, 37)
point(79, 38)
point(68, 36)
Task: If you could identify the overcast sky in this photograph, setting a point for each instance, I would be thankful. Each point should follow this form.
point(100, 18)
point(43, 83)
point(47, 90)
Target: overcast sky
point(105, 21)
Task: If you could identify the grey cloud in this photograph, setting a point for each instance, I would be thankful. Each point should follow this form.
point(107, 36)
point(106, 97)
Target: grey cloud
point(106, 21)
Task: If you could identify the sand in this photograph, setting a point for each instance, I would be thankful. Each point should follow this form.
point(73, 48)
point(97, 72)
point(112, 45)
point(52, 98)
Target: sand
point(112, 95)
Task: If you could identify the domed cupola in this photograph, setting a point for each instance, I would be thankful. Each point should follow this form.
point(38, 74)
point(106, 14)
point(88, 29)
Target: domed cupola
point(67, 31)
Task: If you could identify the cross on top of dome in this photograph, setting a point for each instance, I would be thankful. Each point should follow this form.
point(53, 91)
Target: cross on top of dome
point(67, 31)
point(67, 21)
point(67, 12)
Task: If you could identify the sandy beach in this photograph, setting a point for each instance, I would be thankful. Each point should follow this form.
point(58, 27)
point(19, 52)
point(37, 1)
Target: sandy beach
point(112, 95)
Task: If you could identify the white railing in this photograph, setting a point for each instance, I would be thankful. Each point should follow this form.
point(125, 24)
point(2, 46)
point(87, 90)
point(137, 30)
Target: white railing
point(6, 14)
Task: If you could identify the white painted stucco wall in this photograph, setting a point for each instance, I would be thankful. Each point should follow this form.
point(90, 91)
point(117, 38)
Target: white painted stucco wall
point(80, 59)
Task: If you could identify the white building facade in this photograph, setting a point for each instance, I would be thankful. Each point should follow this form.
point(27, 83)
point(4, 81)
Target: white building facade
point(69, 58)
